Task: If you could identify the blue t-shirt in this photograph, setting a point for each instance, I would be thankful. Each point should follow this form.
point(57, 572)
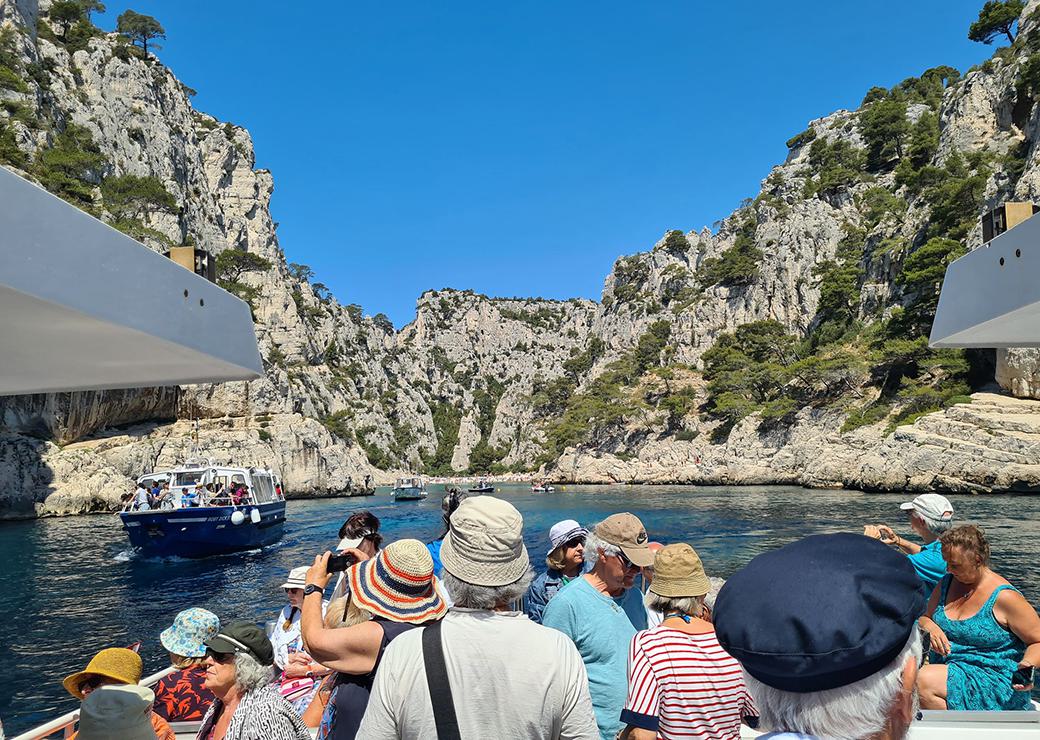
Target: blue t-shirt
point(435, 553)
point(929, 564)
point(602, 632)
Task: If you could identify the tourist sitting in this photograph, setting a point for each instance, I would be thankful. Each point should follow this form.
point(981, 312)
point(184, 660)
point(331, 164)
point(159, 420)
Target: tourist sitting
point(930, 515)
point(681, 683)
point(239, 671)
point(300, 672)
point(117, 711)
point(114, 666)
point(396, 589)
point(181, 696)
point(495, 671)
point(825, 630)
point(449, 504)
point(601, 612)
point(566, 561)
point(982, 631)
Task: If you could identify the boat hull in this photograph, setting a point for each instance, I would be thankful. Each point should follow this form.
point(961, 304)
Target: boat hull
point(482, 489)
point(408, 494)
point(199, 532)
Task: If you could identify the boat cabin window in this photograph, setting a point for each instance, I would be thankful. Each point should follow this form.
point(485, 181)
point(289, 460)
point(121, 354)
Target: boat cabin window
point(263, 488)
point(189, 477)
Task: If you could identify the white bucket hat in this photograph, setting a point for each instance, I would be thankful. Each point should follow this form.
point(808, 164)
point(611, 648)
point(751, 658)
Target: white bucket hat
point(485, 543)
point(297, 578)
point(117, 711)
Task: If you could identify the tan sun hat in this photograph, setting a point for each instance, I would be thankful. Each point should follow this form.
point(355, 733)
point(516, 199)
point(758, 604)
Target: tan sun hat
point(485, 543)
point(627, 532)
point(678, 573)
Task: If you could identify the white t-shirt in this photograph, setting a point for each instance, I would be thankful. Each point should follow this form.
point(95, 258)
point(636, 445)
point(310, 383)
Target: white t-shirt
point(286, 641)
point(509, 678)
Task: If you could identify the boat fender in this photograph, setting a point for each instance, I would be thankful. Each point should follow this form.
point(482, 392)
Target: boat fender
point(254, 516)
point(237, 517)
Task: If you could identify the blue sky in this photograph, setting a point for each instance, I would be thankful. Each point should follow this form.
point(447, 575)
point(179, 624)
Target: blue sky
point(518, 149)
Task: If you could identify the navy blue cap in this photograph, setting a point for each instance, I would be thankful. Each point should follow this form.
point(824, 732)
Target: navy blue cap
point(820, 613)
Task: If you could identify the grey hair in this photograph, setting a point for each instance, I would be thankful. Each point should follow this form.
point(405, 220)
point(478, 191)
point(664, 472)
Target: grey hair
point(472, 596)
point(250, 674)
point(713, 592)
point(692, 605)
point(594, 544)
point(935, 526)
point(858, 710)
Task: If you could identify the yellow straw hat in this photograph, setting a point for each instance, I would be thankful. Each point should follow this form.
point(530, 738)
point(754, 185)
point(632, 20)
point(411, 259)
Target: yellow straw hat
point(119, 664)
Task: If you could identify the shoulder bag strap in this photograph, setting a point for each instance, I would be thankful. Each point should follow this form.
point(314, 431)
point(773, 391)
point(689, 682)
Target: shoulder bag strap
point(437, 681)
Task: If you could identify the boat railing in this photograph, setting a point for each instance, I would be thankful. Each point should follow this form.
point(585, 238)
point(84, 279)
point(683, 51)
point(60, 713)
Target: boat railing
point(66, 723)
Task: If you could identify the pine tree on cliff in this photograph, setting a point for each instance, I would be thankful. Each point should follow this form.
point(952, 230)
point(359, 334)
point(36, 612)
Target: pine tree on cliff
point(90, 6)
point(996, 18)
point(64, 14)
point(140, 28)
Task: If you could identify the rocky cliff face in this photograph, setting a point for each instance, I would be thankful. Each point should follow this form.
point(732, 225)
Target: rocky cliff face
point(482, 384)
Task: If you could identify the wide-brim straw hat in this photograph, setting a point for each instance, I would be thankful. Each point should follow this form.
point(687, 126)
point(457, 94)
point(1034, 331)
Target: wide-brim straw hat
point(398, 584)
point(188, 633)
point(679, 573)
point(484, 545)
point(122, 712)
point(119, 664)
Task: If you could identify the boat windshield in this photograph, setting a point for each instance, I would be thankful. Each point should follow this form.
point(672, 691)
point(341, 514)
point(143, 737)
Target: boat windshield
point(188, 477)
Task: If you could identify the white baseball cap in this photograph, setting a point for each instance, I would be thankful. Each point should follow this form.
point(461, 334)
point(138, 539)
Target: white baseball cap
point(932, 506)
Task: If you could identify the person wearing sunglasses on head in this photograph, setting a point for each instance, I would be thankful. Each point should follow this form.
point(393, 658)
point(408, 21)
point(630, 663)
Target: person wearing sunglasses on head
point(601, 612)
point(566, 561)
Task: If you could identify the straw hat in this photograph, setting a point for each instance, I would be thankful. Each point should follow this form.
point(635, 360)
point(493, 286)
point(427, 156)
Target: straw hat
point(122, 712)
point(485, 543)
point(190, 630)
point(119, 664)
point(397, 584)
point(678, 573)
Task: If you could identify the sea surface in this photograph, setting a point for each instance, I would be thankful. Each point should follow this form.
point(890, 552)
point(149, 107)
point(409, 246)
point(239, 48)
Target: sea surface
point(71, 587)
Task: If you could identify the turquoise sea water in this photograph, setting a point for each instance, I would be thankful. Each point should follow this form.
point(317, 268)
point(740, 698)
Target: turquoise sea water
point(70, 586)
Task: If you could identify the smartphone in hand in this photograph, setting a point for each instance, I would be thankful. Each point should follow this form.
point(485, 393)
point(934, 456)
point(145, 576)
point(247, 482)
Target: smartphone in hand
point(1023, 676)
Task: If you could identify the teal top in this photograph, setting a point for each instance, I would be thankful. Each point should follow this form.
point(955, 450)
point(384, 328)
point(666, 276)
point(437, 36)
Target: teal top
point(983, 655)
point(929, 564)
point(602, 632)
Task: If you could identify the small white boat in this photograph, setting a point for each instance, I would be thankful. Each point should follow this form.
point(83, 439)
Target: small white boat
point(542, 487)
point(482, 486)
point(409, 489)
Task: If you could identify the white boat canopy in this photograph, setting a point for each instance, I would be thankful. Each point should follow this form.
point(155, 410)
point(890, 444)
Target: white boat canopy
point(83, 306)
point(991, 296)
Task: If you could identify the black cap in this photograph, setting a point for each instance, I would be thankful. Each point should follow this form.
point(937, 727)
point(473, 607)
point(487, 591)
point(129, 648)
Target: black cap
point(820, 613)
point(243, 637)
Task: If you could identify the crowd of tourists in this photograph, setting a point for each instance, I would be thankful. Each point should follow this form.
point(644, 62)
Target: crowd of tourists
point(151, 495)
point(836, 635)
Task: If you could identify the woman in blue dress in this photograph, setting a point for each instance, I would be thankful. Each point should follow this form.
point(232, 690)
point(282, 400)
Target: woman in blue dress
point(982, 631)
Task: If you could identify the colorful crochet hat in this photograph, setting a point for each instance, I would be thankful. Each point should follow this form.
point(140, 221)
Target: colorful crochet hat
point(398, 584)
point(190, 630)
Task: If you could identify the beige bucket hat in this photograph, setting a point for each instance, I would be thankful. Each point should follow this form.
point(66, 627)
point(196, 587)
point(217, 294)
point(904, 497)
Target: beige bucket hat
point(485, 543)
point(678, 573)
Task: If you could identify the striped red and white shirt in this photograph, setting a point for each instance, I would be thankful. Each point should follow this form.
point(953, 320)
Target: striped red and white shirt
point(685, 686)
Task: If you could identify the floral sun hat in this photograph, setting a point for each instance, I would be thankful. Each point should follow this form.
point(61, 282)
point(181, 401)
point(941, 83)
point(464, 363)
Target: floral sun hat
point(191, 628)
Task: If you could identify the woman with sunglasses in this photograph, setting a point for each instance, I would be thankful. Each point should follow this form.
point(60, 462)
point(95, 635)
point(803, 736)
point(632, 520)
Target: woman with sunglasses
point(300, 674)
point(114, 666)
point(566, 561)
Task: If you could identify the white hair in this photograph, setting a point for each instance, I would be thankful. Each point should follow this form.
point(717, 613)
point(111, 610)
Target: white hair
point(859, 710)
point(713, 592)
point(935, 526)
point(250, 674)
point(692, 605)
point(472, 596)
point(594, 544)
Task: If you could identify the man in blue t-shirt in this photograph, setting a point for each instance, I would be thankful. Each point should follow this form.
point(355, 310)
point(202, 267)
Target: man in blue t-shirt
point(601, 612)
point(930, 515)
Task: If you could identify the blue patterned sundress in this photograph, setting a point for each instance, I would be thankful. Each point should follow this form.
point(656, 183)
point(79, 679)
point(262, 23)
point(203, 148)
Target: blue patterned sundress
point(983, 655)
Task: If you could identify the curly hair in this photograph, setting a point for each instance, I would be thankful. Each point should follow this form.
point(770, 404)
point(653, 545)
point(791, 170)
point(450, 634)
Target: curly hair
point(968, 538)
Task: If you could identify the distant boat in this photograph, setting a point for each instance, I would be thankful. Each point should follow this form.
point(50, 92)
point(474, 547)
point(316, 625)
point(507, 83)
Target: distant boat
point(189, 525)
point(482, 486)
point(542, 487)
point(409, 489)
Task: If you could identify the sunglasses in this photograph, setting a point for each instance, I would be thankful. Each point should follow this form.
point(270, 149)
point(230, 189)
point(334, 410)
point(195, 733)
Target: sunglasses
point(222, 658)
point(91, 683)
point(628, 564)
point(574, 542)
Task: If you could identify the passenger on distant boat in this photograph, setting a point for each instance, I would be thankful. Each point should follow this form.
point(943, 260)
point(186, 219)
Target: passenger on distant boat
point(825, 630)
point(681, 683)
point(601, 612)
point(300, 673)
point(389, 595)
point(181, 696)
point(114, 666)
point(565, 561)
point(141, 499)
point(930, 515)
point(515, 678)
point(983, 632)
point(122, 712)
point(239, 671)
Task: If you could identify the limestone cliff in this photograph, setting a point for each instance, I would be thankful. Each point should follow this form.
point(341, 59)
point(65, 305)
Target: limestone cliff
point(615, 390)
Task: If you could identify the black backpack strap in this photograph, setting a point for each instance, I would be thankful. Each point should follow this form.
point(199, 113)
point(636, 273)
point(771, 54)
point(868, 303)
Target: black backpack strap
point(437, 681)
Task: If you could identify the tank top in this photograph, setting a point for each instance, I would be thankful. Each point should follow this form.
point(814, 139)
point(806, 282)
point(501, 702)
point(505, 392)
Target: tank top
point(349, 700)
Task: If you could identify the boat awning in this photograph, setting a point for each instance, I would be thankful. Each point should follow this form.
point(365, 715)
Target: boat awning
point(83, 306)
point(991, 296)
